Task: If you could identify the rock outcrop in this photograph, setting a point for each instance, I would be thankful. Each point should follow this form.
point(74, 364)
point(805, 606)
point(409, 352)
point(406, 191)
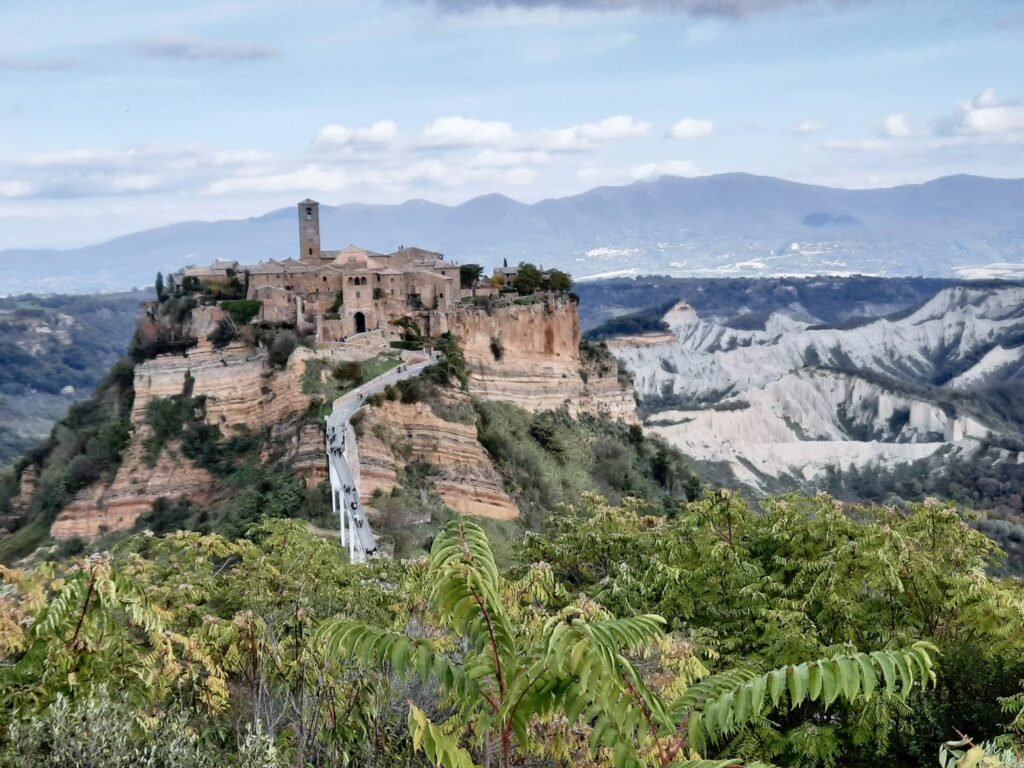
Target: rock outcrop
point(240, 389)
point(102, 508)
point(396, 434)
point(529, 355)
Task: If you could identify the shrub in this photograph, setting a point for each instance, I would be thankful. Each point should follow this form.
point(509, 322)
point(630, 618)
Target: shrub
point(281, 348)
point(223, 334)
point(243, 310)
point(497, 348)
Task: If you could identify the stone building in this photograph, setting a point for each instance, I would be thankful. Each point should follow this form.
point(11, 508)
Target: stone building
point(345, 292)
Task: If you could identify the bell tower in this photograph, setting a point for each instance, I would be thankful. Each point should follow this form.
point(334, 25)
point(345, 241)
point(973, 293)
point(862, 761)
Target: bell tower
point(309, 230)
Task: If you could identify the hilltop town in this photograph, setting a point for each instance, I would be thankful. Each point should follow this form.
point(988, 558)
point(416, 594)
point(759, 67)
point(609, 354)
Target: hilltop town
point(338, 294)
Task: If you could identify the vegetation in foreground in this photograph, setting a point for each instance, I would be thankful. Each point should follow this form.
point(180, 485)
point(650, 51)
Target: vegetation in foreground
point(810, 635)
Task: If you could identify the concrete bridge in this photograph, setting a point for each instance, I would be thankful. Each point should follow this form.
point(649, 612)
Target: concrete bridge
point(345, 502)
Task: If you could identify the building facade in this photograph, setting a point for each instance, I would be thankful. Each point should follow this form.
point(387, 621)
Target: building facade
point(346, 292)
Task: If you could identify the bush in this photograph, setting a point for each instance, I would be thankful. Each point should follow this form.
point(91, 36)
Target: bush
point(281, 348)
point(242, 311)
point(409, 345)
point(497, 348)
point(99, 731)
point(167, 416)
point(223, 334)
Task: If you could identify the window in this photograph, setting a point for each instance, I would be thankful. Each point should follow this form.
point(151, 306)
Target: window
point(325, 278)
point(310, 251)
point(357, 294)
point(309, 213)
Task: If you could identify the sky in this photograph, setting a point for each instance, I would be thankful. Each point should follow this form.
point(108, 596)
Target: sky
point(120, 115)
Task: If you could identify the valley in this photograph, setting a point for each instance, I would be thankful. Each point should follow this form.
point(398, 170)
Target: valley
point(788, 399)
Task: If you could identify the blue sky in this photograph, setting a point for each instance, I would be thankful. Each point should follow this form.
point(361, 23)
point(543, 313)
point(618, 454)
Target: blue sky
point(117, 116)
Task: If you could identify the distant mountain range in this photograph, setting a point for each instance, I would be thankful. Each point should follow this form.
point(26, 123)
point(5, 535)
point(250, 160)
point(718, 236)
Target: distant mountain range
point(725, 225)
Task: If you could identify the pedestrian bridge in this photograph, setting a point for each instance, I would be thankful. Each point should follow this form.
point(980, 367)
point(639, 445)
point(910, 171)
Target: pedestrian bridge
point(355, 531)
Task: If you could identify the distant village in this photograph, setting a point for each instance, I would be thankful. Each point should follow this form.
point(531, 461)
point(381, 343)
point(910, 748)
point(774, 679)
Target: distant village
point(340, 294)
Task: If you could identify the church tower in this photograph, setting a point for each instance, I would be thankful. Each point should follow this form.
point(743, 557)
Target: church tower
point(309, 230)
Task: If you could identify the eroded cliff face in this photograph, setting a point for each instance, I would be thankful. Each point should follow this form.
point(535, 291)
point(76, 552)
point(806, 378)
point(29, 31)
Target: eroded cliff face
point(240, 389)
point(396, 434)
point(529, 355)
point(538, 367)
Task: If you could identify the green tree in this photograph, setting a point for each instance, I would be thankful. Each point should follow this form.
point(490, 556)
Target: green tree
point(558, 281)
point(160, 295)
point(528, 278)
point(469, 274)
point(517, 665)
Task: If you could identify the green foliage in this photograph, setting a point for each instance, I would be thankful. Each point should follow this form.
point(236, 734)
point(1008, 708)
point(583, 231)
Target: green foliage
point(549, 459)
point(557, 280)
point(242, 311)
point(807, 577)
point(85, 446)
point(209, 646)
point(101, 732)
point(579, 665)
point(469, 275)
point(76, 353)
point(528, 278)
point(167, 417)
point(452, 368)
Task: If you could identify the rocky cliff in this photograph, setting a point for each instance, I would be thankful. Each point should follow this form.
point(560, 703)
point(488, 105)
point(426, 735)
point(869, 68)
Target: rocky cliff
point(529, 355)
point(396, 434)
point(241, 390)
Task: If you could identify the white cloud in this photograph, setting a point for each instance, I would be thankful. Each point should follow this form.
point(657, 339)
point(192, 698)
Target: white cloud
point(98, 172)
point(692, 128)
point(807, 128)
point(381, 132)
point(466, 132)
point(15, 188)
point(463, 132)
point(311, 178)
point(670, 168)
point(896, 125)
point(586, 136)
point(987, 115)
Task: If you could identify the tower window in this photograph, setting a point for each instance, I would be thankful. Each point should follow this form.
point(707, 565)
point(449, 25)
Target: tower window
point(311, 253)
point(309, 213)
